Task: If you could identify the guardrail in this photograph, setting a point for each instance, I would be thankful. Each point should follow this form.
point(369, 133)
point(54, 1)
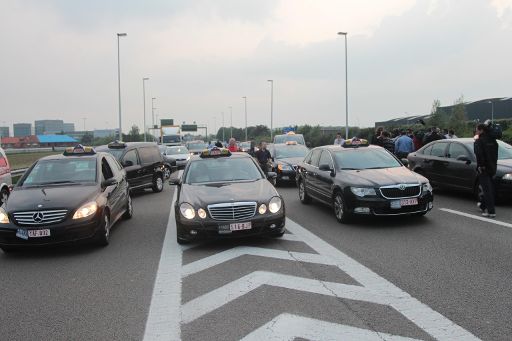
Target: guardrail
point(17, 172)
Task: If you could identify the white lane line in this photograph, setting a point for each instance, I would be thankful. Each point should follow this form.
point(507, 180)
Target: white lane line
point(290, 237)
point(224, 256)
point(215, 299)
point(164, 317)
point(290, 327)
point(476, 217)
point(420, 314)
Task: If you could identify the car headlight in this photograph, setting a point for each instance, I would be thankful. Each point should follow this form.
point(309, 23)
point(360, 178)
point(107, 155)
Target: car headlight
point(507, 177)
point(427, 187)
point(86, 210)
point(363, 191)
point(262, 209)
point(4, 218)
point(187, 211)
point(275, 204)
point(201, 213)
point(283, 167)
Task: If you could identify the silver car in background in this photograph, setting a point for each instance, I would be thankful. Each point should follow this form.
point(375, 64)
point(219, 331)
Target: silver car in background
point(180, 153)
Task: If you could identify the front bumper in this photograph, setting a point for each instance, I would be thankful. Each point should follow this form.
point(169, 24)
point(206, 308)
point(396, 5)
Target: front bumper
point(379, 206)
point(286, 175)
point(503, 188)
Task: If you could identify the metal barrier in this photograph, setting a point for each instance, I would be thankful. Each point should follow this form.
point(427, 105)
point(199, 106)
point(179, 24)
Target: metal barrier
point(17, 172)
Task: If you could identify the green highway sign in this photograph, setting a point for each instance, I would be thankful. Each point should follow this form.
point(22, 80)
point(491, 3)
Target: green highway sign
point(189, 127)
point(167, 122)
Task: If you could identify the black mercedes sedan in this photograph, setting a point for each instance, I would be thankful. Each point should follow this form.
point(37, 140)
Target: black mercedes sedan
point(452, 164)
point(221, 194)
point(286, 157)
point(76, 196)
point(360, 179)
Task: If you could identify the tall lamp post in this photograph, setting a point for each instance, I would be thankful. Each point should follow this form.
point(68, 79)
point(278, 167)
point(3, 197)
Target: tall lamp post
point(231, 120)
point(346, 84)
point(492, 110)
point(223, 128)
point(245, 103)
point(144, 104)
point(271, 108)
point(119, 84)
point(153, 110)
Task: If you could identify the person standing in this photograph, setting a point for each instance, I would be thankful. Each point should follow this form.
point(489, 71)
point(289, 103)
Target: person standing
point(232, 145)
point(387, 142)
point(403, 145)
point(376, 137)
point(338, 141)
point(263, 157)
point(486, 151)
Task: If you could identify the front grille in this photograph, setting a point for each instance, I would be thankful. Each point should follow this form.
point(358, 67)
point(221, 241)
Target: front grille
point(232, 211)
point(295, 167)
point(400, 191)
point(34, 218)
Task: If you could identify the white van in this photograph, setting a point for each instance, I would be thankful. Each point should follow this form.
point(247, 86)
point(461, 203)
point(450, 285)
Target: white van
point(5, 177)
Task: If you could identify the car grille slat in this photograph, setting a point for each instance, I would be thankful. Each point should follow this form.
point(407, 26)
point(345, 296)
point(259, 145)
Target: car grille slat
point(232, 211)
point(35, 218)
point(400, 191)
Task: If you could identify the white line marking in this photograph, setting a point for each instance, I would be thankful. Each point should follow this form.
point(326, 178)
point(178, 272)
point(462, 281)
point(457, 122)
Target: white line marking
point(473, 216)
point(215, 299)
point(224, 256)
point(289, 327)
point(290, 237)
point(164, 317)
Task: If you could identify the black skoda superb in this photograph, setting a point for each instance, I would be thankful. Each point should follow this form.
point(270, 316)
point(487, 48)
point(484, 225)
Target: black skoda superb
point(222, 195)
point(360, 179)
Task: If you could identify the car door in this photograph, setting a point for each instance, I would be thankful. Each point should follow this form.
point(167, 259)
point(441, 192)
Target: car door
point(113, 192)
point(132, 165)
point(312, 185)
point(324, 177)
point(461, 168)
point(439, 162)
point(119, 173)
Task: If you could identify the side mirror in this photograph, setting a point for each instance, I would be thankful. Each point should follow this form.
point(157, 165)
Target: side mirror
point(308, 144)
point(109, 182)
point(127, 163)
point(405, 162)
point(174, 180)
point(271, 175)
point(463, 158)
point(325, 168)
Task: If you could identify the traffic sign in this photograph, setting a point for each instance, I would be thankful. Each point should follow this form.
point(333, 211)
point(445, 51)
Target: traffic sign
point(166, 122)
point(189, 127)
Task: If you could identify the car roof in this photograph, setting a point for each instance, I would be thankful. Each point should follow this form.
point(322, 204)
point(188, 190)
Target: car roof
point(336, 148)
point(67, 157)
point(234, 155)
point(129, 145)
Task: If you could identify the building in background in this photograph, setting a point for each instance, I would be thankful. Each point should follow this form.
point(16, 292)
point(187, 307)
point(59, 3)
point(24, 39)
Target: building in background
point(101, 133)
point(69, 127)
point(4, 131)
point(79, 134)
point(22, 129)
point(43, 127)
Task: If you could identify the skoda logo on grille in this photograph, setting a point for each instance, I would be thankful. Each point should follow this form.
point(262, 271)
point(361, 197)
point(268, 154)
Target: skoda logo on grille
point(401, 187)
point(38, 217)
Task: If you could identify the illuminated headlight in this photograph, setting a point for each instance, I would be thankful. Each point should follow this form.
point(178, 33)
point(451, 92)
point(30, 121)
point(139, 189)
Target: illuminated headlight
point(262, 209)
point(507, 177)
point(86, 210)
point(4, 218)
point(283, 167)
point(201, 213)
point(427, 187)
point(274, 205)
point(363, 191)
point(187, 211)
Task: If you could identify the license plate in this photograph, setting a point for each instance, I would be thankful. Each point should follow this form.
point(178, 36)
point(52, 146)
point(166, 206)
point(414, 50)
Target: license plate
point(21, 233)
point(38, 233)
point(240, 226)
point(285, 177)
point(404, 202)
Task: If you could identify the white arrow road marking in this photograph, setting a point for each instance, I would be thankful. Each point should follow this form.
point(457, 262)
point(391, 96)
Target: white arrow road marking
point(476, 217)
point(289, 327)
point(215, 299)
point(238, 251)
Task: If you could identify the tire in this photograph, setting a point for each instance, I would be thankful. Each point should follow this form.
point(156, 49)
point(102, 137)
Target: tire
point(4, 195)
point(340, 208)
point(303, 195)
point(103, 236)
point(167, 172)
point(278, 235)
point(158, 183)
point(128, 214)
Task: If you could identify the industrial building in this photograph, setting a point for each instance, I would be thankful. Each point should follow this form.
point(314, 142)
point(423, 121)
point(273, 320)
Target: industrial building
point(22, 129)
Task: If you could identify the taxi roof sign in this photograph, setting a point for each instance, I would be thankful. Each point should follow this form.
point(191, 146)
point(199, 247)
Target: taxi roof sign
point(290, 133)
point(355, 143)
point(79, 150)
point(291, 142)
point(116, 145)
point(215, 152)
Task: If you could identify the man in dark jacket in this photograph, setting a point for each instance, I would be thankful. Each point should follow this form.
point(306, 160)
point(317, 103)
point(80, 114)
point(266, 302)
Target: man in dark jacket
point(434, 135)
point(263, 157)
point(486, 151)
point(387, 142)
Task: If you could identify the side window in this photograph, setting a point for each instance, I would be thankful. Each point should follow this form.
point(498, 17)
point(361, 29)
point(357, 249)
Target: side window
point(114, 165)
point(325, 159)
point(106, 171)
point(428, 150)
point(131, 156)
point(307, 159)
point(315, 157)
point(456, 149)
point(439, 150)
point(150, 155)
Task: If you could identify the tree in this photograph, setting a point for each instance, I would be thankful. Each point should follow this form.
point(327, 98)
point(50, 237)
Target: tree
point(458, 116)
point(436, 115)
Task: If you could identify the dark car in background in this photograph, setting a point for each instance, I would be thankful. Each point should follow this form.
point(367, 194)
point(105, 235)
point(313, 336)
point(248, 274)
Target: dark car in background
point(78, 195)
point(359, 179)
point(452, 164)
point(286, 157)
point(142, 161)
point(196, 147)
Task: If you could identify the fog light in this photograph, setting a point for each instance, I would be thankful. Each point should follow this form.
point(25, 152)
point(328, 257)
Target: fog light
point(193, 232)
point(201, 213)
point(273, 226)
point(362, 210)
point(430, 205)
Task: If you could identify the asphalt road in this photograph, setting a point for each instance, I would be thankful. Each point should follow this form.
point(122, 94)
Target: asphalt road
point(444, 276)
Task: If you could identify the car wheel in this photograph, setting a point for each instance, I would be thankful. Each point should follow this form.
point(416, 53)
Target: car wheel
point(128, 214)
point(158, 184)
point(340, 209)
point(303, 195)
point(4, 195)
point(103, 238)
point(278, 234)
point(167, 172)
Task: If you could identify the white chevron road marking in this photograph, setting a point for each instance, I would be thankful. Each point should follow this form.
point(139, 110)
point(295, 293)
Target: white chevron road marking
point(289, 327)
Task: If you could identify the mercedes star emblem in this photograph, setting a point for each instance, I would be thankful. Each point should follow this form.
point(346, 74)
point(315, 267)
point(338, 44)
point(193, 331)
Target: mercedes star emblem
point(38, 217)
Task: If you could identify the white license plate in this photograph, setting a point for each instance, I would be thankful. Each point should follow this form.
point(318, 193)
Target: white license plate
point(404, 202)
point(285, 177)
point(38, 233)
point(240, 226)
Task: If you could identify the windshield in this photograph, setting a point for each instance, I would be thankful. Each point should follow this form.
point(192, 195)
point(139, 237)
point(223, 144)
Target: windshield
point(285, 138)
point(171, 138)
point(64, 171)
point(359, 158)
point(245, 145)
point(290, 151)
point(196, 146)
point(177, 151)
point(222, 169)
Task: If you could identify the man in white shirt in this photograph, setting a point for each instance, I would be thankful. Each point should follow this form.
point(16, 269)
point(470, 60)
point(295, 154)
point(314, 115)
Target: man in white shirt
point(338, 141)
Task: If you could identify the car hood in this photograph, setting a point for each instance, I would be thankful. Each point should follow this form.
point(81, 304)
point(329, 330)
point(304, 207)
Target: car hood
point(290, 160)
point(381, 177)
point(71, 197)
point(203, 195)
point(180, 156)
point(505, 166)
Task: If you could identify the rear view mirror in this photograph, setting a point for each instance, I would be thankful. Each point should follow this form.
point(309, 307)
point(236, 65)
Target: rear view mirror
point(109, 182)
point(175, 179)
point(325, 168)
point(127, 163)
point(405, 162)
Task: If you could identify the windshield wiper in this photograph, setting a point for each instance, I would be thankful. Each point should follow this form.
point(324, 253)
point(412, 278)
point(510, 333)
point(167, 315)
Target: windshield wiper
point(59, 182)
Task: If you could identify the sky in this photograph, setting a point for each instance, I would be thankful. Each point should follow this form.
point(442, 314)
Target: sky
point(58, 59)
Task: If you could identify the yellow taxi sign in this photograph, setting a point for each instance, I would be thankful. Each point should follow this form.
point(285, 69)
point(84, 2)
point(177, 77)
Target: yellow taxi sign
point(215, 152)
point(79, 150)
point(116, 145)
point(291, 142)
point(290, 133)
point(355, 143)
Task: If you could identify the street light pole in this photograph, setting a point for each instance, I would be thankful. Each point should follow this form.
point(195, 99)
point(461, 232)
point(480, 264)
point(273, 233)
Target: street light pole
point(231, 119)
point(492, 110)
point(223, 128)
point(271, 107)
point(119, 84)
point(245, 102)
point(144, 104)
point(346, 84)
point(153, 110)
